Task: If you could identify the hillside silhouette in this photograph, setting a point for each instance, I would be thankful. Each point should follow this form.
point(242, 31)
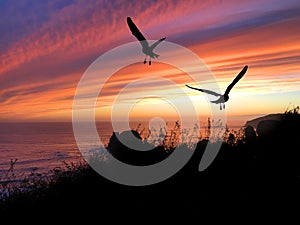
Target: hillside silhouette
point(254, 122)
point(260, 168)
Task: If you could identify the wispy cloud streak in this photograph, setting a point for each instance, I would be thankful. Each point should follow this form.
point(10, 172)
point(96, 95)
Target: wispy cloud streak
point(45, 46)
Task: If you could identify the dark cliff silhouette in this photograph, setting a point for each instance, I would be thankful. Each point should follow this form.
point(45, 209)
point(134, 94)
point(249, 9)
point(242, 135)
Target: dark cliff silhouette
point(254, 122)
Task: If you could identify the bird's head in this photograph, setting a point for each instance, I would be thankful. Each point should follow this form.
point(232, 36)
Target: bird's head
point(226, 98)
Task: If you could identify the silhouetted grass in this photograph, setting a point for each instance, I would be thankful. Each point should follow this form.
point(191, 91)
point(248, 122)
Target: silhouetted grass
point(249, 170)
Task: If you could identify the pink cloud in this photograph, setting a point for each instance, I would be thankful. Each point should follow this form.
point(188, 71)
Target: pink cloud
point(40, 65)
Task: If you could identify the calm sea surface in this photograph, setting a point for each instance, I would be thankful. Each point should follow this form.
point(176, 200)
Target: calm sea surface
point(39, 147)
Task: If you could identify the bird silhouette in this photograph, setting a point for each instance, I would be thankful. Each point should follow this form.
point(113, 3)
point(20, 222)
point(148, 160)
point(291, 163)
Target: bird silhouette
point(225, 97)
point(146, 49)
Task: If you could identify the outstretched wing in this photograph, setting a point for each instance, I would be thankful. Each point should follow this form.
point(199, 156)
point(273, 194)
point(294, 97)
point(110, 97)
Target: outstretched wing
point(136, 32)
point(156, 43)
point(238, 77)
point(205, 91)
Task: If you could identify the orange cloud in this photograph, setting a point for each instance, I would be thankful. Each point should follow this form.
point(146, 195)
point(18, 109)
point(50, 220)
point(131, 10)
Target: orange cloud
point(40, 70)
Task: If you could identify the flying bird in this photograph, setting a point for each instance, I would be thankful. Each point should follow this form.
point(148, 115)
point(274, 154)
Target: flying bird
point(146, 49)
point(225, 97)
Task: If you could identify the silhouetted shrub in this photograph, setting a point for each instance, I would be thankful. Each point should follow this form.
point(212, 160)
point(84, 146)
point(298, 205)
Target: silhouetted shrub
point(129, 147)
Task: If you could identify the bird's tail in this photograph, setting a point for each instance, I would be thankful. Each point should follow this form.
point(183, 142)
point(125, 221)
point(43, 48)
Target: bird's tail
point(156, 56)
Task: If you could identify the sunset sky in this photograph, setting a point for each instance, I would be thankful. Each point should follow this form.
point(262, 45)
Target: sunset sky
point(46, 46)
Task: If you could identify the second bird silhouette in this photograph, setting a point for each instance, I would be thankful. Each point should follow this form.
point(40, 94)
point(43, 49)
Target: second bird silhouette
point(223, 98)
point(146, 49)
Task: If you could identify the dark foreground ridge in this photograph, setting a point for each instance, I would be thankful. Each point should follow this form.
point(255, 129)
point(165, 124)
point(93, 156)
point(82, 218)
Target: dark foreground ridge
point(259, 170)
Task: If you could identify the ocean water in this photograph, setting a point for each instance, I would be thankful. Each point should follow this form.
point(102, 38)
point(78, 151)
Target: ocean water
point(40, 147)
point(36, 146)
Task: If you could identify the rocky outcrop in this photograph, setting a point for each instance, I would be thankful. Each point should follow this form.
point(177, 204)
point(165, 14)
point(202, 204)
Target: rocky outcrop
point(130, 148)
